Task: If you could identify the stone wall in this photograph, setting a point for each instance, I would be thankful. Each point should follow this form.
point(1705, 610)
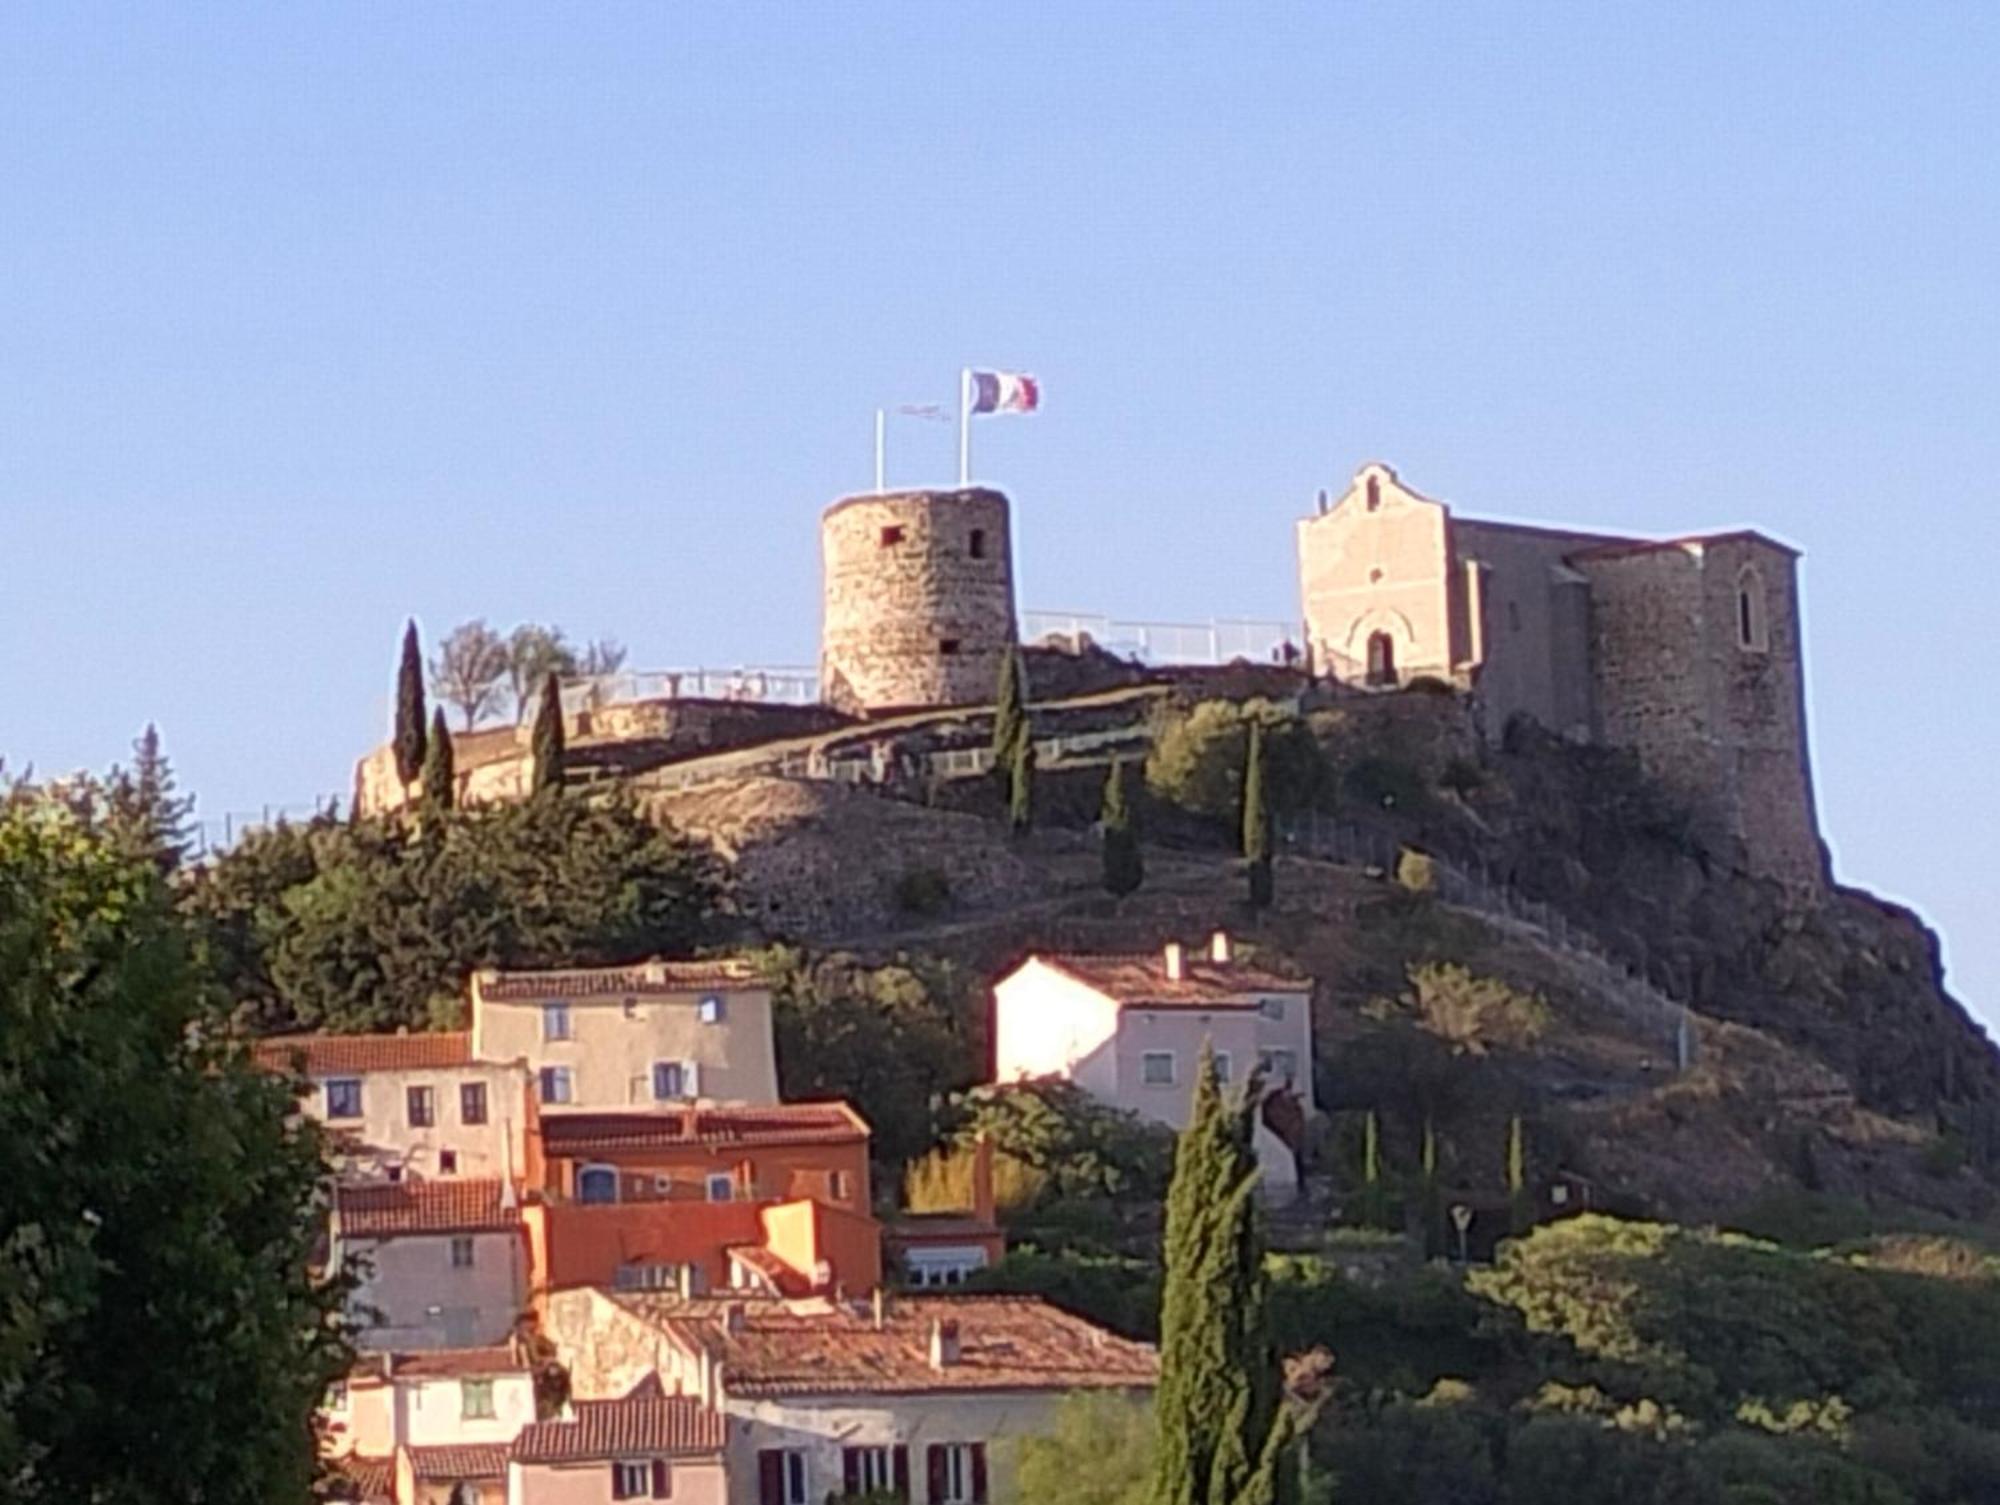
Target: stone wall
point(919, 599)
point(1531, 636)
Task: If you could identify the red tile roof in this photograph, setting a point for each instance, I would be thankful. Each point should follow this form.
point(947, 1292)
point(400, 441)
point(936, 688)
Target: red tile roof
point(645, 979)
point(820, 1347)
point(367, 1479)
point(331, 1055)
point(450, 1464)
point(573, 1134)
point(1139, 979)
point(644, 1423)
point(447, 1363)
point(385, 1209)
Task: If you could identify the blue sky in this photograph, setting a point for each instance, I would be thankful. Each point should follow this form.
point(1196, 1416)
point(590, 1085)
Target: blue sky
point(314, 317)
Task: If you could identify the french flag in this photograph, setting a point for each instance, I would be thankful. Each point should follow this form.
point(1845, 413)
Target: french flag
point(1004, 392)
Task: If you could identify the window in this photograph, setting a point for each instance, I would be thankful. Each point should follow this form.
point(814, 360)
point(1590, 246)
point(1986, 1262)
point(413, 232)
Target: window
point(640, 1479)
point(710, 1009)
point(555, 1084)
point(1156, 1068)
point(343, 1097)
point(947, 646)
point(667, 1081)
point(1280, 1066)
point(461, 1252)
point(1381, 659)
point(447, 1162)
point(836, 1185)
point(957, 1473)
point(475, 1400)
point(393, 1172)
point(422, 1102)
point(472, 1103)
point(649, 1277)
point(1752, 631)
point(721, 1186)
point(1272, 1009)
point(336, 1396)
point(555, 1021)
point(1222, 1065)
point(596, 1183)
point(870, 1468)
point(1374, 493)
point(782, 1478)
point(892, 535)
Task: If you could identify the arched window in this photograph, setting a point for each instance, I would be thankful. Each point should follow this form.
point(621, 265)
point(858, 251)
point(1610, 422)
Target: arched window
point(597, 1183)
point(1753, 632)
point(1374, 493)
point(1381, 659)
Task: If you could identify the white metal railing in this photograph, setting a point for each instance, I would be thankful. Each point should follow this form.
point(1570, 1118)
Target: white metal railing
point(787, 685)
point(1219, 641)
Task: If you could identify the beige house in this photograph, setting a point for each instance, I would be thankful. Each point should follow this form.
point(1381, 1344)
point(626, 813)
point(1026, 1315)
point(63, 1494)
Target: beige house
point(917, 1394)
point(644, 1445)
point(1129, 1029)
point(659, 1032)
point(417, 1105)
point(445, 1263)
point(436, 1398)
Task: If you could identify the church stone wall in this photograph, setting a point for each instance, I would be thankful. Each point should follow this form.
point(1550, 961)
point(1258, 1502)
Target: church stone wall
point(1380, 561)
point(919, 599)
point(1533, 630)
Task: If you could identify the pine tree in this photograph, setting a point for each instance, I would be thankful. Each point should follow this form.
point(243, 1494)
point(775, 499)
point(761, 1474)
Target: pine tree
point(410, 740)
point(1010, 709)
point(440, 782)
point(1520, 1205)
point(1124, 866)
point(1226, 1434)
point(546, 743)
point(145, 815)
point(1257, 820)
point(1021, 784)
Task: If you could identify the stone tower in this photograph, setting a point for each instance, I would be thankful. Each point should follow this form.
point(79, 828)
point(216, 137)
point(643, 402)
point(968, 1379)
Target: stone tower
point(919, 599)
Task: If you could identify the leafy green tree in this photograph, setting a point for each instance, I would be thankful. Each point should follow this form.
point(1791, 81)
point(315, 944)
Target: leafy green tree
point(157, 1202)
point(1021, 786)
point(1010, 709)
point(1256, 819)
point(1099, 1452)
point(1083, 1146)
point(409, 738)
point(546, 742)
point(893, 1040)
point(1226, 1434)
point(368, 926)
point(1198, 758)
point(440, 777)
point(1124, 865)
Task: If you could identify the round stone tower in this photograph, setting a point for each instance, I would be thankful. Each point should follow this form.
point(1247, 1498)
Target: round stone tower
point(919, 592)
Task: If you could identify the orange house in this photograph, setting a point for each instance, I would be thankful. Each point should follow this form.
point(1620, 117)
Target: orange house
point(774, 1198)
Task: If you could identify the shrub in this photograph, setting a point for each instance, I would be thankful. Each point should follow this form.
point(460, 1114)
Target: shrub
point(1385, 783)
point(922, 892)
point(1198, 758)
point(1416, 871)
point(943, 1182)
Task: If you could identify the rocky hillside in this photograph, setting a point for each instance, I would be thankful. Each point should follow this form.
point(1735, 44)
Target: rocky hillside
point(1688, 1040)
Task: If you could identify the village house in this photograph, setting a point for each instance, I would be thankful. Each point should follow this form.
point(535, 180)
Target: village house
point(409, 1104)
point(431, 1428)
point(644, 1445)
point(1129, 1029)
point(445, 1262)
point(774, 1196)
point(912, 1394)
point(657, 1033)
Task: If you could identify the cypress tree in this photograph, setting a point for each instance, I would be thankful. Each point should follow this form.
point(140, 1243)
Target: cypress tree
point(1374, 1208)
point(1021, 784)
point(440, 781)
point(546, 742)
point(1010, 710)
point(409, 740)
point(1124, 867)
point(1520, 1206)
point(1256, 819)
point(1226, 1434)
point(1434, 1242)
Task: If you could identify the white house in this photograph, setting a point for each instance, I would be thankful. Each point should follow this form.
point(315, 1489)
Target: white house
point(913, 1394)
point(1130, 1028)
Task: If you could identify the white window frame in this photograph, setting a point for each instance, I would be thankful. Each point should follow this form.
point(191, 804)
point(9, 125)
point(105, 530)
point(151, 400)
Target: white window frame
point(467, 1411)
point(462, 1243)
point(722, 1180)
point(1223, 1066)
point(425, 1093)
point(1272, 1009)
point(794, 1477)
point(836, 1185)
point(550, 1075)
point(948, 1266)
point(958, 1474)
point(360, 1107)
point(1146, 1059)
point(875, 1467)
point(621, 1478)
point(711, 1009)
point(556, 1012)
point(1267, 1061)
point(679, 1080)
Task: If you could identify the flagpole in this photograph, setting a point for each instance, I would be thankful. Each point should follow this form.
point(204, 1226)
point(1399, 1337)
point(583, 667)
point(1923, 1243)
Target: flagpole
point(965, 427)
point(879, 488)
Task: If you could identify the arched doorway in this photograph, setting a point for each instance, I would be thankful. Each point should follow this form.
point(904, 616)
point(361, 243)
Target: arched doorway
point(1381, 659)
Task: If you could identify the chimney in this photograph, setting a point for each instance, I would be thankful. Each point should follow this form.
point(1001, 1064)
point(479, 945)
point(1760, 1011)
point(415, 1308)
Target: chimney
point(944, 1342)
point(881, 1301)
point(734, 1317)
point(1322, 499)
point(1219, 950)
point(1176, 959)
point(982, 1179)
